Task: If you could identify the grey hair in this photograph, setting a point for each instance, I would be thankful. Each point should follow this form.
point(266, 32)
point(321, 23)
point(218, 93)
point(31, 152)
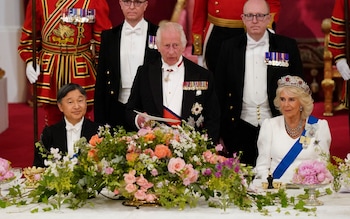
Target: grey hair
point(169, 26)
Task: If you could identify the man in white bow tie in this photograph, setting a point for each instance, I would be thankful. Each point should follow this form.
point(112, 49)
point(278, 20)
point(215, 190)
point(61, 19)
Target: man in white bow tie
point(246, 76)
point(123, 49)
point(72, 102)
point(173, 87)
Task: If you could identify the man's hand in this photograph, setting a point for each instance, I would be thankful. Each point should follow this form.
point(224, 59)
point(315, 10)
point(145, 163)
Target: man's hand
point(343, 68)
point(32, 74)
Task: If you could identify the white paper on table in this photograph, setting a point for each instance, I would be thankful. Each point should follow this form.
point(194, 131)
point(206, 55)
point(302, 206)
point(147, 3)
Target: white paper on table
point(156, 118)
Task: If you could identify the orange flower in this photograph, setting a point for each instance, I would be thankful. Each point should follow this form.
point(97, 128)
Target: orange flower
point(149, 136)
point(131, 156)
point(92, 153)
point(162, 151)
point(95, 140)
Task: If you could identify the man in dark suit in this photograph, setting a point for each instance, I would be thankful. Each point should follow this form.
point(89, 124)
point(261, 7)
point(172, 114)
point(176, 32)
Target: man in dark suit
point(248, 69)
point(123, 49)
point(71, 100)
point(174, 86)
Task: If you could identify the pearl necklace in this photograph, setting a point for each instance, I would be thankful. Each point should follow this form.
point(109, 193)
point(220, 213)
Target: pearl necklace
point(293, 132)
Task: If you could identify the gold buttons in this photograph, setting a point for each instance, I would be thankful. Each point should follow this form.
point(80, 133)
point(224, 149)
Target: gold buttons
point(112, 92)
point(231, 107)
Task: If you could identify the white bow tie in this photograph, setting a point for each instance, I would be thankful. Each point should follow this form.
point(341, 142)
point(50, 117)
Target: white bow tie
point(252, 44)
point(137, 31)
point(70, 127)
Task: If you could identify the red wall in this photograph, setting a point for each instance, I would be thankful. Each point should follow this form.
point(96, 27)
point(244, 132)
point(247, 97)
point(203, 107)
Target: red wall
point(303, 18)
point(157, 10)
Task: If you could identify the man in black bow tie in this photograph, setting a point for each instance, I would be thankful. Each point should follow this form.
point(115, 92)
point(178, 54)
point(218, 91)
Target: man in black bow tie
point(247, 72)
point(123, 49)
point(71, 101)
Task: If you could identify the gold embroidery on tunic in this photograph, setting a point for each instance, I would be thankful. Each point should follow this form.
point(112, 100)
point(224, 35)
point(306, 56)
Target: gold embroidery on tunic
point(63, 34)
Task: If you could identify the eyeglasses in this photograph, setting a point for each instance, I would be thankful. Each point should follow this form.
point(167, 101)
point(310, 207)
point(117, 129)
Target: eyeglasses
point(136, 3)
point(259, 17)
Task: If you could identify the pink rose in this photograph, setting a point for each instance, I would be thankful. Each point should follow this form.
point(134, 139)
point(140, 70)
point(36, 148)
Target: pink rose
point(140, 195)
point(150, 197)
point(130, 178)
point(207, 155)
point(176, 165)
point(143, 182)
point(149, 151)
point(130, 188)
point(190, 175)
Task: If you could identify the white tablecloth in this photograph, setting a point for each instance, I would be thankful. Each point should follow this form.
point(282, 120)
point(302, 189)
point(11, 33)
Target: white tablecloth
point(335, 206)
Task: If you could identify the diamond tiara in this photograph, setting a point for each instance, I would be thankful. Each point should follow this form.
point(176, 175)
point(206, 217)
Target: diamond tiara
point(294, 81)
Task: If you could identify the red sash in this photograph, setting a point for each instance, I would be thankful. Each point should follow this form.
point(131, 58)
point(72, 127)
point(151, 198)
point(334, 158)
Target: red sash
point(168, 114)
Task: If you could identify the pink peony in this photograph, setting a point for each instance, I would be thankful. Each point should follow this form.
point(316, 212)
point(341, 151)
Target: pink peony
point(312, 172)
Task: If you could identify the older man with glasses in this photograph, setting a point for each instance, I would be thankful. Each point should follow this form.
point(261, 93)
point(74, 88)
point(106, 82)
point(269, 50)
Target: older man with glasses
point(246, 76)
point(123, 49)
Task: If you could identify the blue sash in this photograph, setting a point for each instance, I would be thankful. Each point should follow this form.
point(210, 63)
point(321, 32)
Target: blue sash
point(292, 154)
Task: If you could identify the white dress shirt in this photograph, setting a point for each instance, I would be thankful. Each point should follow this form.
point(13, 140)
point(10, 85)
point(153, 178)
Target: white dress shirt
point(173, 86)
point(132, 52)
point(73, 135)
point(255, 106)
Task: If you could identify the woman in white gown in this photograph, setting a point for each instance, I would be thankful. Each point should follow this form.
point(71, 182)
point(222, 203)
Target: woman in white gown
point(295, 132)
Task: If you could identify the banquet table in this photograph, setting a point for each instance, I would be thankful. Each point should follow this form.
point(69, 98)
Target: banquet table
point(335, 206)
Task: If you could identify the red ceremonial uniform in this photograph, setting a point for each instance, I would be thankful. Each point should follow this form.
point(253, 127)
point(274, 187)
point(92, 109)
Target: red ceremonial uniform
point(221, 13)
point(64, 53)
point(337, 34)
point(64, 45)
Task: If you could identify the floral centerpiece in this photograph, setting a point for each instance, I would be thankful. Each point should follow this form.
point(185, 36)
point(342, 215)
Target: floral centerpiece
point(167, 165)
point(312, 172)
point(340, 170)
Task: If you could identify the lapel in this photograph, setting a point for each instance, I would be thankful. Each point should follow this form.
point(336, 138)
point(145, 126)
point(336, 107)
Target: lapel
point(272, 47)
point(155, 76)
point(61, 136)
point(188, 96)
